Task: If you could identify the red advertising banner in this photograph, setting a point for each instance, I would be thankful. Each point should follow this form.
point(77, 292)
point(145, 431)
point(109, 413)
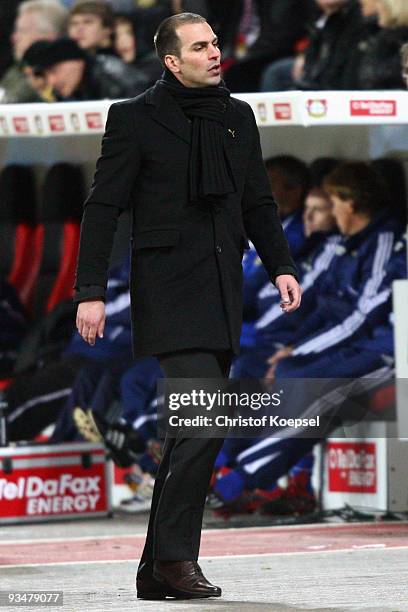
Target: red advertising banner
point(94, 121)
point(282, 111)
point(21, 125)
point(56, 123)
point(53, 484)
point(352, 467)
point(373, 108)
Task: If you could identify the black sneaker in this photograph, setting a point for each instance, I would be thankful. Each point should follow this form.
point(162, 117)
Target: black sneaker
point(122, 441)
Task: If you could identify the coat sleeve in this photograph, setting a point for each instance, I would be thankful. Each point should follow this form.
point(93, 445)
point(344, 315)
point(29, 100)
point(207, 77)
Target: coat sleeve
point(260, 213)
point(116, 171)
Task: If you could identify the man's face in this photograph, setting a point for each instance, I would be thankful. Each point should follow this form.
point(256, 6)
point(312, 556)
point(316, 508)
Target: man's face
point(125, 42)
point(343, 212)
point(65, 77)
point(88, 31)
point(200, 57)
point(318, 214)
point(25, 33)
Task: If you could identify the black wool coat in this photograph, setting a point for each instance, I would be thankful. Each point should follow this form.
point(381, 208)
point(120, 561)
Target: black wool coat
point(186, 272)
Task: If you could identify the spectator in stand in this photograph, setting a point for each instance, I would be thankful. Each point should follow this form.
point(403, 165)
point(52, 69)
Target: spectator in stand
point(370, 31)
point(282, 25)
point(90, 24)
point(74, 75)
point(378, 63)
point(36, 20)
point(125, 43)
point(333, 39)
point(36, 76)
point(335, 36)
point(124, 39)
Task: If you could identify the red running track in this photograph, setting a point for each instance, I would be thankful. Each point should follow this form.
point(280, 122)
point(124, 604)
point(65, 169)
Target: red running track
point(214, 543)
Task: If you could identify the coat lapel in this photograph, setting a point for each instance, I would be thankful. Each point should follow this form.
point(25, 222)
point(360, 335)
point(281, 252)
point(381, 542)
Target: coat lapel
point(167, 112)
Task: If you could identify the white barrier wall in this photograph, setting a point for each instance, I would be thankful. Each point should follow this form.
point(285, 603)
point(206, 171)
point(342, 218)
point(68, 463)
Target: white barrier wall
point(343, 124)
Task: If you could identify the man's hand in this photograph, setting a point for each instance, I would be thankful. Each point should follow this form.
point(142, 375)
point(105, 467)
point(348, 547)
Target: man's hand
point(90, 320)
point(290, 292)
point(285, 351)
point(282, 353)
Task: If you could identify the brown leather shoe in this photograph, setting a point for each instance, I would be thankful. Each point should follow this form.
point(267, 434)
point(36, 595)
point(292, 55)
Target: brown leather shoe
point(148, 587)
point(184, 578)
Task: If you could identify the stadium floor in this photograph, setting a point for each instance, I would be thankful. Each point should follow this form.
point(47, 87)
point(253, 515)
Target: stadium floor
point(333, 567)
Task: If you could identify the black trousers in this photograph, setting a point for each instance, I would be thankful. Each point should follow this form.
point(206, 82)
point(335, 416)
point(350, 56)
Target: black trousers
point(184, 474)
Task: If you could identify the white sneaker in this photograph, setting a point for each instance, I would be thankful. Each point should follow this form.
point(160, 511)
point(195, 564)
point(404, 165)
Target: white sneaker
point(142, 499)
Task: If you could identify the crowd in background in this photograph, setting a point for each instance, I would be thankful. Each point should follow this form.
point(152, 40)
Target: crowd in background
point(344, 221)
point(55, 50)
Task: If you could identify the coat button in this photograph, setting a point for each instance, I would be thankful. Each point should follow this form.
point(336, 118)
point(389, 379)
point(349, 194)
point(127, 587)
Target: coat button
point(218, 248)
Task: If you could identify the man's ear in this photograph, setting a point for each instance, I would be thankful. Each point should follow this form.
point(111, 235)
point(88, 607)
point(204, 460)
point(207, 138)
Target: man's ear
point(172, 62)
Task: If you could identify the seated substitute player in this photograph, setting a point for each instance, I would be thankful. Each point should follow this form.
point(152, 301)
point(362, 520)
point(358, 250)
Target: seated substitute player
point(248, 479)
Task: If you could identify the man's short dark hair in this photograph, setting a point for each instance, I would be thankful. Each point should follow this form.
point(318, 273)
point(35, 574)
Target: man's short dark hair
point(294, 171)
point(359, 182)
point(166, 39)
point(98, 8)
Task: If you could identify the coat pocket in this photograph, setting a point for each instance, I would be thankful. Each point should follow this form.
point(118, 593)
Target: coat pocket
point(155, 238)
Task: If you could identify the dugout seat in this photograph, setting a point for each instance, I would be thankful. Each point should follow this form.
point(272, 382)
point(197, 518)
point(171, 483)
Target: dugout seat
point(21, 240)
point(60, 211)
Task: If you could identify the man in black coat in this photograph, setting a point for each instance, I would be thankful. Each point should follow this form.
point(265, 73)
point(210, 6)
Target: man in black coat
point(282, 25)
point(333, 41)
point(186, 158)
